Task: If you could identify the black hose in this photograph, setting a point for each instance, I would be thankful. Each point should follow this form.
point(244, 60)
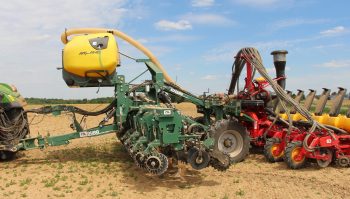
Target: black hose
point(237, 68)
point(73, 109)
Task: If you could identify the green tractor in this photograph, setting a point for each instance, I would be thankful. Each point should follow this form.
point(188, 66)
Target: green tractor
point(13, 121)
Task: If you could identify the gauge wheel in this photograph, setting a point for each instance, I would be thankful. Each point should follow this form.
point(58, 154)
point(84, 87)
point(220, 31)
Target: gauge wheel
point(272, 150)
point(292, 158)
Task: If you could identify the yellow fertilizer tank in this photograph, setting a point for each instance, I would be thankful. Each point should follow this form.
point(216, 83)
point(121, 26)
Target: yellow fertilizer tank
point(89, 59)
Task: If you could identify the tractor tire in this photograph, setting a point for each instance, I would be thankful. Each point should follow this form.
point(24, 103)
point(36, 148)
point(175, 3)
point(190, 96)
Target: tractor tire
point(291, 151)
point(16, 120)
point(7, 155)
point(270, 147)
point(232, 139)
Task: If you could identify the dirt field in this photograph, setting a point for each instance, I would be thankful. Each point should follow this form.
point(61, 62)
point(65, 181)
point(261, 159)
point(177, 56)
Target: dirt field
point(99, 168)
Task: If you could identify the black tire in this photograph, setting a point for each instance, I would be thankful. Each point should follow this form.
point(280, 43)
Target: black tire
point(232, 139)
point(15, 115)
point(325, 163)
point(290, 153)
point(269, 149)
point(197, 162)
point(7, 155)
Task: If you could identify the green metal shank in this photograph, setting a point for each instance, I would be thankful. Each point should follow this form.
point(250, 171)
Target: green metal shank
point(42, 142)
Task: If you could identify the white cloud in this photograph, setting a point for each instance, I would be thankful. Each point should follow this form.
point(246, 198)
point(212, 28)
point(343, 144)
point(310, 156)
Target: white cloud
point(327, 46)
point(171, 25)
point(257, 2)
point(209, 77)
point(202, 3)
point(265, 3)
point(335, 64)
point(172, 38)
point(296, 22)
point(208, 19)
point(334, 31)
point(226, 52)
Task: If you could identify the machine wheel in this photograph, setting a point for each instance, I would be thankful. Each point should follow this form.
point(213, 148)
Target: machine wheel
point(140, 160)
point(232, 139)
point(291, 152)
point(7, 155)
point(343, 161)
point(198, 159)
point(325, 163)
point(157, 164)
point(271, 150)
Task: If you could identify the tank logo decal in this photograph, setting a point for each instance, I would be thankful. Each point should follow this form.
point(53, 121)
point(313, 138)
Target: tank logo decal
point(88, 53)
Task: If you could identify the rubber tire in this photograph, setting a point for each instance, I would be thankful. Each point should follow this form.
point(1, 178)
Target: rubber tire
point(192, 160)
point(288, 156)
point(13, 113)
point(223, 125)
point(324, 164)
point(7, 155)
point(267, 150)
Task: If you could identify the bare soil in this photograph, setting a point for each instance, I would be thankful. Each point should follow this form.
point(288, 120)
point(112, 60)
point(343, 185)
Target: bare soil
point(100, 168)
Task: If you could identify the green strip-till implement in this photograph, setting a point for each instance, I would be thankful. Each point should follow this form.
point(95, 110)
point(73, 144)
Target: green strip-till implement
point(144, 118)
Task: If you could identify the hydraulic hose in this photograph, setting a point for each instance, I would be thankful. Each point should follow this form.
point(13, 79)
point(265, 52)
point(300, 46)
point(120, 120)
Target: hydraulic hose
point(13, 126)
point(73, 109)
point(305, 145)
point(138, 45)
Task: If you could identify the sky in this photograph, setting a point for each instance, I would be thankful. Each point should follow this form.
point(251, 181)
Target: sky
point(195, 40)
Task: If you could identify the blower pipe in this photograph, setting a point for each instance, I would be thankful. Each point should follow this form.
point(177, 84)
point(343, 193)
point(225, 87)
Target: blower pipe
point(279, 60)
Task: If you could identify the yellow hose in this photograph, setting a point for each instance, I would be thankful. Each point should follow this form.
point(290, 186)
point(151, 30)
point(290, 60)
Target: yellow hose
point(138, 45)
